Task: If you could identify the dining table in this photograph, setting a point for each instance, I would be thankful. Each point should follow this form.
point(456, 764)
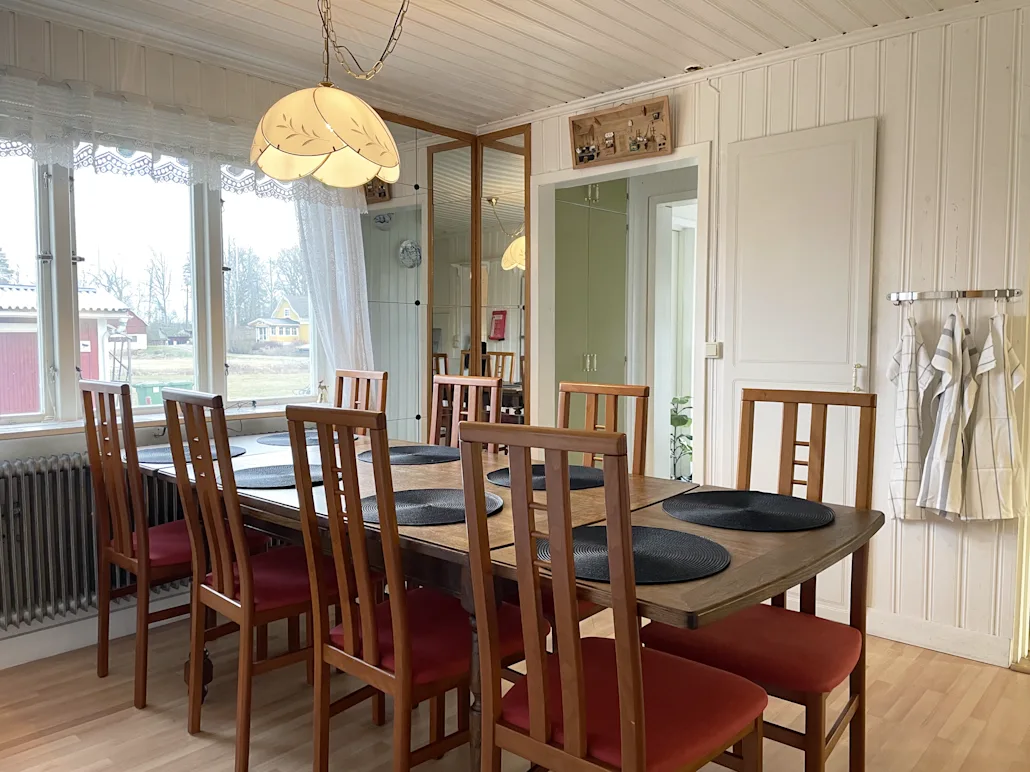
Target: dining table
point(762, 565)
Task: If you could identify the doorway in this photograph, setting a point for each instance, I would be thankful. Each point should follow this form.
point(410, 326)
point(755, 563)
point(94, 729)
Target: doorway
point(612, 285)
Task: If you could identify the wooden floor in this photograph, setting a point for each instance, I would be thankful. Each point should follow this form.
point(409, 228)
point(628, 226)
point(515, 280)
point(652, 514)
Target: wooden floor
point(928, 712)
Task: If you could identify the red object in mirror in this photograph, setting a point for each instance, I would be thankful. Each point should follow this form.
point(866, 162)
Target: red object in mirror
point(498, 324)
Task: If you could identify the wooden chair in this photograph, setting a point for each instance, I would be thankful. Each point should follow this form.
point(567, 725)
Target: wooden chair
point(154, 554)
point(439, 364)
point(416, 645)
point(251, 591)
point(458, 396)
point(356, 386)
point(797, 656)
point(500, 364)
point(595, 393)
point(601, 704)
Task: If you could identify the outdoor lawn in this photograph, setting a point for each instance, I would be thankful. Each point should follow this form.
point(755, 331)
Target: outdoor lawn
point(251, 376)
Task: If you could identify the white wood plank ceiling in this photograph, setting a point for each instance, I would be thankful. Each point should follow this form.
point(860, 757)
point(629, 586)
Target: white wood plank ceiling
point(465, 63)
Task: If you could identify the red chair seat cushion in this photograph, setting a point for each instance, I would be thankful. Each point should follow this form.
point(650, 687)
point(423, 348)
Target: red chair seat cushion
point(441, 638)
point(690, 710)
point(281, 578)
point(169, 543)
point(771, 646)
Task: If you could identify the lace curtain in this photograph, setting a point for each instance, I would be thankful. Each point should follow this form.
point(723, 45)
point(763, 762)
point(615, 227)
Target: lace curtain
point(73, 124)
point(334, 256)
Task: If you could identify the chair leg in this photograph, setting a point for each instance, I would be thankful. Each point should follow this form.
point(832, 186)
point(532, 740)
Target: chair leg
point(196, 683)
point(857, 729)
point(321, 717)
point(142, 635)
point(751, 748)
point(464, 707)
point(402, 733)
point(309, 641)
point(437, 719)
point(293, 633)
point(262, 643)
point(489, 752)
point(103, 617)
point(243, 698)
point(379, 709)
point(815, 733)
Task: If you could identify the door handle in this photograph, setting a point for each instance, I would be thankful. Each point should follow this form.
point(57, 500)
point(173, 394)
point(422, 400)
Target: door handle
point(854, 377)
point(593, 363)
point(586, 362)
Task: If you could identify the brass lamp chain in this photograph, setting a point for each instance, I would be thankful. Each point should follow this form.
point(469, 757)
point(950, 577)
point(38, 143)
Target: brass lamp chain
point(518, 231)
point(325, 10)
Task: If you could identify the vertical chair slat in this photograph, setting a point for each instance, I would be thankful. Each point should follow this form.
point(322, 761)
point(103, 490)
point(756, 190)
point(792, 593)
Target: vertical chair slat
point(788, 437)
point(745, 450)
point(594, 392)
point(816, 454)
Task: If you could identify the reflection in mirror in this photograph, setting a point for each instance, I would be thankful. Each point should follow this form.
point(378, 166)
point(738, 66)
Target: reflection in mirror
point(395, 234)
point(452, 259)
point(503, 318)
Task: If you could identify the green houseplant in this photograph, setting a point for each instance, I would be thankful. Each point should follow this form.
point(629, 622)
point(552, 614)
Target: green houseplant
point(681, 443)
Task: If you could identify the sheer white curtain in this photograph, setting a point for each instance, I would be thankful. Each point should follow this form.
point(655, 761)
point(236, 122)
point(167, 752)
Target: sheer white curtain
point(334, 257)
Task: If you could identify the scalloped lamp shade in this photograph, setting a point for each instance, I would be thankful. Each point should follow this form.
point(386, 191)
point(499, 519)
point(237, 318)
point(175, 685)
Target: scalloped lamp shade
point(515, 255)
point(327, 134)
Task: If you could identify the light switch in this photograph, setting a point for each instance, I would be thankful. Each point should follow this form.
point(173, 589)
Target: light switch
point(713, 350)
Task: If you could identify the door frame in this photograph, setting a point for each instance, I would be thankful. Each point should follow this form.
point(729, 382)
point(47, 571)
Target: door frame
point(543, 384)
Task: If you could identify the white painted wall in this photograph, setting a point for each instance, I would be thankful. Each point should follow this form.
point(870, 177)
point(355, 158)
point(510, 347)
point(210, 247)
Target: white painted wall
point(952, 98)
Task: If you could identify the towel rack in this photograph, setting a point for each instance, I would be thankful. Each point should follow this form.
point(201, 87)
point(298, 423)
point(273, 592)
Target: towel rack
point(897, 298)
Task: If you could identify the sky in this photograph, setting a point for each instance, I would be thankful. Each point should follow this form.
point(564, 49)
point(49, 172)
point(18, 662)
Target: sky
point(119, 219)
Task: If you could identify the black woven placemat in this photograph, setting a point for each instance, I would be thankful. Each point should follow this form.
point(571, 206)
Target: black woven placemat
point(283, 438)
point(660, 556)
point(162, 454)
point(417, 454)
point(273, 476)
point(428, 506)
point(580, 477)
point(749, 511)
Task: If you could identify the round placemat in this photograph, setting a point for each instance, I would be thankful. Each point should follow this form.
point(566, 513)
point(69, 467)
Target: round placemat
point(749, 511)
point(660, 556)
point(283, 438)
point(428, 506)
point(580, 477)
point(273, 476)
point(162, 454)
point(417, 454)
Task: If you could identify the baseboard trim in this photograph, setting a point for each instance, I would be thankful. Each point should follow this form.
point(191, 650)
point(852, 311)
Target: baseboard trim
point(80, 632)
point(968, 644)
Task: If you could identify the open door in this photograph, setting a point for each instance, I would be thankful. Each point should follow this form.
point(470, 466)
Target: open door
point(797, 288)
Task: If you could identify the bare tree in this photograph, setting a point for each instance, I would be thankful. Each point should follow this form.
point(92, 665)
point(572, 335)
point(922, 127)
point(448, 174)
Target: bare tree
point(6, 272)
point(116, 282)
point(158, 288)
point(290, 273)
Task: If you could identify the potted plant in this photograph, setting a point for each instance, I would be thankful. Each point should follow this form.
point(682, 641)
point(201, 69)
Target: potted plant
point(681, 443)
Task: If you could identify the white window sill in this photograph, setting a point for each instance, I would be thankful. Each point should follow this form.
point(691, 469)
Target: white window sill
point(57, 428)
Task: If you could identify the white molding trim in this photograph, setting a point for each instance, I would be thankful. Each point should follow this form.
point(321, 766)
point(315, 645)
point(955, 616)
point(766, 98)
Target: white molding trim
point(642, 90)
point(81, 632)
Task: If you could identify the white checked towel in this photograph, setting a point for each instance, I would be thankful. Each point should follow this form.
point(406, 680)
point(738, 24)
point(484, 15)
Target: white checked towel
point(911, 373)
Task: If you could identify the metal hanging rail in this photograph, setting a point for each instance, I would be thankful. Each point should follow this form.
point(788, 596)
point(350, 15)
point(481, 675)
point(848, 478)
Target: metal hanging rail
point(897, 298)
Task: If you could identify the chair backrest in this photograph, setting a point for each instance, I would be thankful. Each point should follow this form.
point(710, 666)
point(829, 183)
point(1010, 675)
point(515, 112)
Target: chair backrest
point(439, 364)
point(525, 504)
point(216, 502)
point(117, 483)
point(464, 394)
point(336, 428)
point(605, 397)
point(816, 442)
point(501, 364)
point(361, 390)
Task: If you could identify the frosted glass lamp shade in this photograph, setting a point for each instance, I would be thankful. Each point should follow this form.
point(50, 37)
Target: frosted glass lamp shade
point(515, 255)
point(326, 133)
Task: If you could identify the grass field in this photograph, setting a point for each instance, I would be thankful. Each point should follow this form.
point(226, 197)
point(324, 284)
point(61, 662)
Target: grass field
point(251, 376)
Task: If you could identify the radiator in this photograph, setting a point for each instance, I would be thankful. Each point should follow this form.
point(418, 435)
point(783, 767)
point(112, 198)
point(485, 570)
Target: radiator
point(48, 556)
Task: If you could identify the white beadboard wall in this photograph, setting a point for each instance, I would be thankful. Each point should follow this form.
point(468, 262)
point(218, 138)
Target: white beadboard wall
point(61, 52)
point(953, 210)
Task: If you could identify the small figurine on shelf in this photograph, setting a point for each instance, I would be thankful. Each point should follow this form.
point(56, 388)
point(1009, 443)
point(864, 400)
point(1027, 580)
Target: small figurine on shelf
point(323, 392)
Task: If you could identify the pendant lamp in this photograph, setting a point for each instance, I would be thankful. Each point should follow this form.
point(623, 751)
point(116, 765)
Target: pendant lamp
point(325, 132)
point(515, 255)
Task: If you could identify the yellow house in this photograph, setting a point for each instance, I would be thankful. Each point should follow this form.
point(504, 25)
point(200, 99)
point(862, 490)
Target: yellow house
point(288, 323)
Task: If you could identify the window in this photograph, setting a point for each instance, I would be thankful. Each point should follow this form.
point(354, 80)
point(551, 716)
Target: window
point(134, 236)
point(20, 335)
point(265, 285)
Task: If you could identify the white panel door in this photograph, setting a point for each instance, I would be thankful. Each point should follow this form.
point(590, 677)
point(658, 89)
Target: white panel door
point(798, 279)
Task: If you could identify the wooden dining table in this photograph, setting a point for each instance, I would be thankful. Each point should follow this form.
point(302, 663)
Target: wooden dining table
point(762, 565)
